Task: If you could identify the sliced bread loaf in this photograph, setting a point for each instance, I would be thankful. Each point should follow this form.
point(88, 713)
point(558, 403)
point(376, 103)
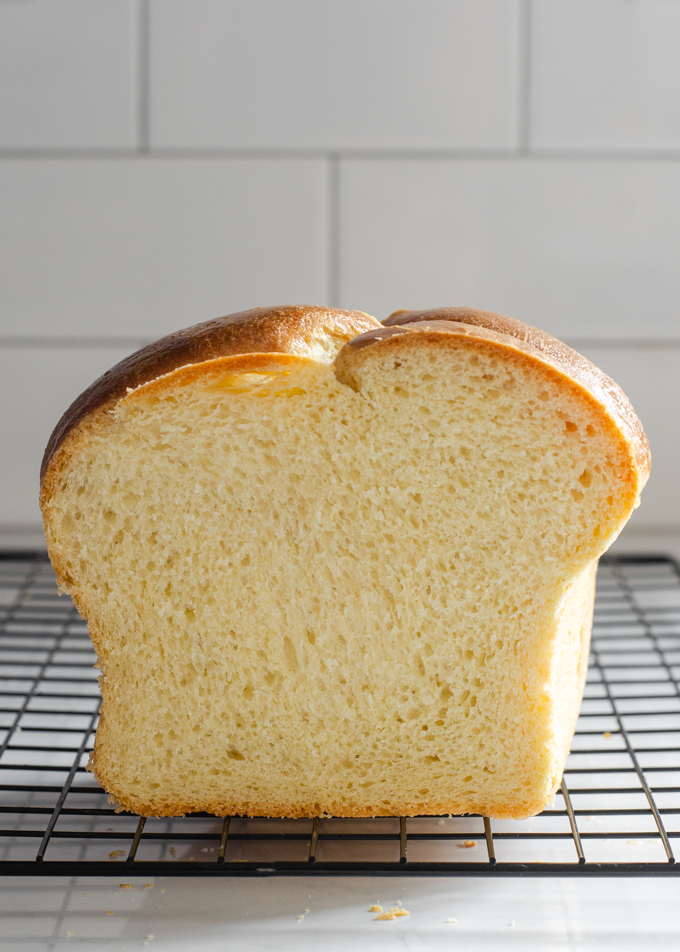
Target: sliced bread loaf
point(331, 567)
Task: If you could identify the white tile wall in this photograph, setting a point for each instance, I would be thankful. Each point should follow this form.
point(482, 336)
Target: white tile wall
point(605, 74)
point(142, 246)
point(68, 73)
point(323, 74)
point(36, 387)
point(583, 249)
point(372, 153)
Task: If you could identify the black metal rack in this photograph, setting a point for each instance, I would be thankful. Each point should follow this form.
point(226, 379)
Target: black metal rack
point(617, 813)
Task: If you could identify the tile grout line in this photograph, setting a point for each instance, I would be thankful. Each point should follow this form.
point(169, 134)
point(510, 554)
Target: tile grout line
point(143, 105)
point(524, 79)
point(334, 230)
point(275, 153)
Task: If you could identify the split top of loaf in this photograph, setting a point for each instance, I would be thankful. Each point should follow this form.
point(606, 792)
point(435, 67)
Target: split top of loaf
point(331, 566)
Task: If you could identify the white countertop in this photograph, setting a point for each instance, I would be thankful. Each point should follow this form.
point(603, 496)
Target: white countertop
point(197, 915)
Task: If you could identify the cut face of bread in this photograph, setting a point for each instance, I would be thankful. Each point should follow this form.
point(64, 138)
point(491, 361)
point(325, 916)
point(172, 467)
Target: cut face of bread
point(355, 588)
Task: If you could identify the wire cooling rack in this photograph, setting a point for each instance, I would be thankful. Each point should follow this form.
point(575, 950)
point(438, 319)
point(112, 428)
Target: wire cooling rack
point(617, 812)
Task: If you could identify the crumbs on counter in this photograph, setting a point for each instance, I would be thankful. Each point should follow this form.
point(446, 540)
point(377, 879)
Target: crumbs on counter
point(394, 912)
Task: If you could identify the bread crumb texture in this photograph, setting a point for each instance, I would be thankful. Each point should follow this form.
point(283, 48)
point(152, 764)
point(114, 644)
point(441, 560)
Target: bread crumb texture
point(360, 596)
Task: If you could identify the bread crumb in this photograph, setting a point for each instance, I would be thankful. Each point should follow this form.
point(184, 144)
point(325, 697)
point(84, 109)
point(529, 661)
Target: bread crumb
point(172, 850)
point(116, 853)
point(126, 886)
point(162, 890)
point(450, 920)
point(607, 735)
point(511, 924)
point(149, 886)
point(394, 913)
point(70, 933)
point(150, 936)
point(110, 912)
point(376, 908)
point(467, 844)
point(633, 842)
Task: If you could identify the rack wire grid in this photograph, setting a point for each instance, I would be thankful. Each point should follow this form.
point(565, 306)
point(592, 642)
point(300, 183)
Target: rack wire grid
point(617, 811)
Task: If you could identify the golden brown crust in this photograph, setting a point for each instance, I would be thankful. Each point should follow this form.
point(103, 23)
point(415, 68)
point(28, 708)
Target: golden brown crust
point(543, 345)
point(300, 329)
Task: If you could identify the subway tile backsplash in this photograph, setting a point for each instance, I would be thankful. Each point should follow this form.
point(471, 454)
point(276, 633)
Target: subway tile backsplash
point(166, 161)
point(581, 249)
point(605, 74)
point(375, 74)
point(141, 247)
point(68, 74)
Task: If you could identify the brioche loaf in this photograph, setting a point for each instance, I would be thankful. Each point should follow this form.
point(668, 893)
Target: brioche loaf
point(335, 567)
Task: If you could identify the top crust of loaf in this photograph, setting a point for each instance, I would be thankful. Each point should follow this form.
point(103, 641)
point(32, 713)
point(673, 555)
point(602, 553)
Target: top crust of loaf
point(531, 340)
point(304, 330)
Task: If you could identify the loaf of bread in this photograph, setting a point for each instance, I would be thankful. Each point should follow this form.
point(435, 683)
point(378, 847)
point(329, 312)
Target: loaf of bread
point(332, 567)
